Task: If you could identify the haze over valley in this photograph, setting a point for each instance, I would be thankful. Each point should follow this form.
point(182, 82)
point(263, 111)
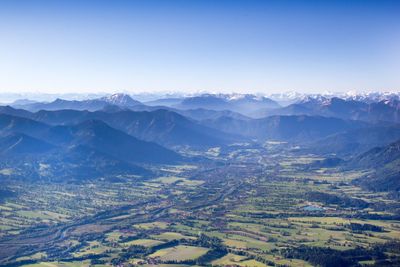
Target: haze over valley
point(170, 133)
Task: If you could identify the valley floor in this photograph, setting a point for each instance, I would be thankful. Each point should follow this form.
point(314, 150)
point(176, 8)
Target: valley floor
point(246, 208)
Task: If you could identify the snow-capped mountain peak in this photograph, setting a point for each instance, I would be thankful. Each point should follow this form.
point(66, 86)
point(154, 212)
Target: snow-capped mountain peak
point(120, 99)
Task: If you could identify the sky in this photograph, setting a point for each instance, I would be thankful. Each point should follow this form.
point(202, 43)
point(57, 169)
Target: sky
point(218, 46)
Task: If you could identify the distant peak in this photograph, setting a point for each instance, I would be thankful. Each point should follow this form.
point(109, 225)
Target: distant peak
point(121, 99)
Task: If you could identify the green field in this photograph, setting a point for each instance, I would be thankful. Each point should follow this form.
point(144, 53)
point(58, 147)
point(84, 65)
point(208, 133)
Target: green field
point(179, 253)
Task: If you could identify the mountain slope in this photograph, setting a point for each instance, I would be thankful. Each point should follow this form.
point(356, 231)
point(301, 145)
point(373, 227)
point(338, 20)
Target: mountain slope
point(168, 102)
point(207, 114)
point(168, 128)
point(287, 128)
point(355, 141)
point(161, 126)
point(17, 143)
point(90, 149)
point(105, 139)
point(8, 110)
point(172, 129)
point(11, 124)
point(384, 162)
point(82, 162)
point(92, 133)
point(378, 156)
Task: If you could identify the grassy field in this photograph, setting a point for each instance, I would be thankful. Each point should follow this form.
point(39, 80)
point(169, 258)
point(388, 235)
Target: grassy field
point(179, 253)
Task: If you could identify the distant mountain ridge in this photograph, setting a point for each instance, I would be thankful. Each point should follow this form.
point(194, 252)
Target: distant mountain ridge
point(244, 104)
point(367, 97)
point(370, 107)
point(122, 100)
point(385, 110)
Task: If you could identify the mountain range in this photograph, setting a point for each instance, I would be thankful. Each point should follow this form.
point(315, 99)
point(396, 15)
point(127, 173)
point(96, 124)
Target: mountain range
point(162, 126)
point(385, 110)
point(245, 104)
point(67, 147)
point(367, 107)
point(171, 129)
point(119, 135)
point(122, 100)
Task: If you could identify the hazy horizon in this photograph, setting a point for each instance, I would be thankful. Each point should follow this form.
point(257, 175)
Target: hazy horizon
point(286, 97)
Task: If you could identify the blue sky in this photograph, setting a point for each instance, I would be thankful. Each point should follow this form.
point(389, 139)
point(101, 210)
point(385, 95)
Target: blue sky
point(242, 46)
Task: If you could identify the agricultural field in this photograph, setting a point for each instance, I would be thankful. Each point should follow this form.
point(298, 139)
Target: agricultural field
point(273, 213)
